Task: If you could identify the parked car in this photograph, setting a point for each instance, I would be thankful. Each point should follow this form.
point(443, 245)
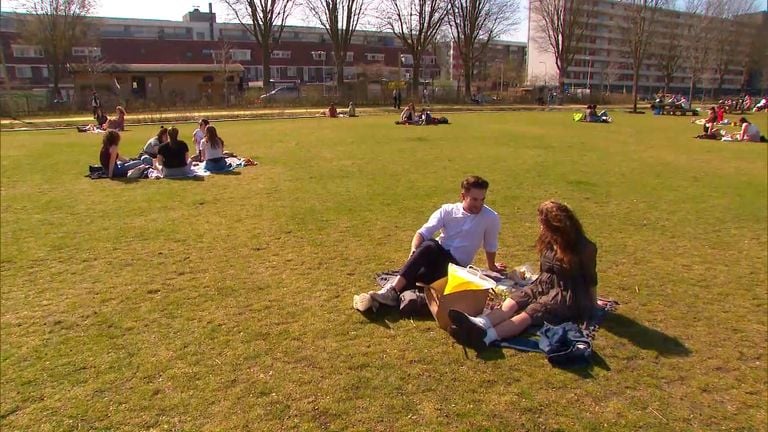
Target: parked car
point(280, 94)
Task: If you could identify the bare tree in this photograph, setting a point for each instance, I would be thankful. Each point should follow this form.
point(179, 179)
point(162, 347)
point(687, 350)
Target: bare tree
point(265, 21)
point(668, 51)
point(752, 58)
point(473, 24)
point(727, 39)
point(339, 18)
point(56, 26)
point(640, 26)
point(416, 23)
point(697, 52)
point(560, 26)
point(223, 58)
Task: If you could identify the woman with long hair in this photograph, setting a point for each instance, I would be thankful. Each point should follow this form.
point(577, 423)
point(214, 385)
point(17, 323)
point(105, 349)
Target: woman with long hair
point(112, 162)
point(564, 291)
point(213, 151)
point(117, 123)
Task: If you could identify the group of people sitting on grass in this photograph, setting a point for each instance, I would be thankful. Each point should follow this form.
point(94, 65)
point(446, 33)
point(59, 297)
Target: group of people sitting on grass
point(424, 117)
point(564, 291)
point(333, 112)
point(104, 123)
point(590, 115)
point(167, 154)
point(674, 101)
point(712, 128)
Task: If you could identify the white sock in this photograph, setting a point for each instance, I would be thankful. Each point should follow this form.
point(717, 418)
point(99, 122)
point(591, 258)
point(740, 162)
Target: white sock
point(482, 321)
point(490, 336)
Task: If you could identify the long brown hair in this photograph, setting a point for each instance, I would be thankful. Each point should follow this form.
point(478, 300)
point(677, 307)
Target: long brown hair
point(561, 232)
point(213, 138)
point(111, 137)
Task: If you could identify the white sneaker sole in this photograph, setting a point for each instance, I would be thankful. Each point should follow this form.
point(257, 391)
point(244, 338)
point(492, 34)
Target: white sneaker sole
point(363, 302)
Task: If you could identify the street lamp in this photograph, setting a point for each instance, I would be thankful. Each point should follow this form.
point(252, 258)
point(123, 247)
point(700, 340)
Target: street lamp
point(320, 55)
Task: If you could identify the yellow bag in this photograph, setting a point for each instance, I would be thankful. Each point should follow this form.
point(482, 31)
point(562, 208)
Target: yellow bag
point(466, 279)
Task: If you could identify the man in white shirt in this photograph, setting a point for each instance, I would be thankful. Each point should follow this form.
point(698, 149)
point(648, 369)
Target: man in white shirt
point(463, 227)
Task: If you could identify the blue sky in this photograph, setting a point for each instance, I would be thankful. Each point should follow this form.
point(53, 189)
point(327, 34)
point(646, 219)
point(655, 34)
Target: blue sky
point(175, 9)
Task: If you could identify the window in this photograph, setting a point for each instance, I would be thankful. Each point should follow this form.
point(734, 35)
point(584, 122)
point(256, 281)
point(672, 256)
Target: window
point(241, 54)
point(350, 56)
point(44, 71)
point(199, 35)
point(318, 55)
point(374, 57)
point(290, 72)
point(281, 54)
point(27, 51)
point(429, 60)
point(23, 71)
point(406, 59)
point(84, 51)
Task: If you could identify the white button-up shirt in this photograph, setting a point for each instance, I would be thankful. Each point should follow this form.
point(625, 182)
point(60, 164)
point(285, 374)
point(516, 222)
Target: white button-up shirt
point(463, 233)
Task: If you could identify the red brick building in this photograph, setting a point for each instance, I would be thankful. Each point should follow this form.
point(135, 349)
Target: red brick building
point(181, 61)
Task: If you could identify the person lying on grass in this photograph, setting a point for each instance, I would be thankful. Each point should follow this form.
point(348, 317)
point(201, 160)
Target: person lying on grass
point(464, 227)
point(109, 156)
point(118, 122)
point(564, 291)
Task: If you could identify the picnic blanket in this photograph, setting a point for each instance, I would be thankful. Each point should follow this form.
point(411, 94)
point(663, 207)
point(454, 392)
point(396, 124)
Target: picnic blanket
point(565, 345)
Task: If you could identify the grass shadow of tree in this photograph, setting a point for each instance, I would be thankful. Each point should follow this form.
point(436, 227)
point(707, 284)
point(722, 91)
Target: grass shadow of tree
point(645, 337)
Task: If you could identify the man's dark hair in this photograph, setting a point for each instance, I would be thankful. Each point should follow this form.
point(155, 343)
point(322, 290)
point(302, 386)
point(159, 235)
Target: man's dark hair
point(474, 182)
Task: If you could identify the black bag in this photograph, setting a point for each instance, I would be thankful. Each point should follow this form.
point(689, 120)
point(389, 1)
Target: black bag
point(95, 169)
point(413, 303)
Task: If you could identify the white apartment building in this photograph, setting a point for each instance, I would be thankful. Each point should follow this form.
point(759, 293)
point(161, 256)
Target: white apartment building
point(600, 61)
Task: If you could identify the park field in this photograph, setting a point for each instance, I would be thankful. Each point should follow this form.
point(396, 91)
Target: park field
point(225, 304)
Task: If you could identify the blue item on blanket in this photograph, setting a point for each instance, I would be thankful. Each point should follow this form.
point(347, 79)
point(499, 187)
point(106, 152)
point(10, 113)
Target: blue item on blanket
point(566, 345)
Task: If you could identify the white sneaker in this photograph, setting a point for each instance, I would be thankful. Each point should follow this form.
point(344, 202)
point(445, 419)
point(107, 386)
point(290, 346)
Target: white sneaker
point(363, 302)
point(387, 295)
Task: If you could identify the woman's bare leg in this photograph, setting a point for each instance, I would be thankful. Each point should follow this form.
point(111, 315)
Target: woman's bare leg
point(505, 312)
point(514, 326)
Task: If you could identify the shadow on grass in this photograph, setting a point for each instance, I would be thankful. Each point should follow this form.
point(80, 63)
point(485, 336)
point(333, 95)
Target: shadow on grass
point(645, 337)
point(387, 315)
point(226, 173)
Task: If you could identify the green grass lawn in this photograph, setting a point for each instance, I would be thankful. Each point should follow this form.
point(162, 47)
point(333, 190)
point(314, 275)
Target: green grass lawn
point(225, 304)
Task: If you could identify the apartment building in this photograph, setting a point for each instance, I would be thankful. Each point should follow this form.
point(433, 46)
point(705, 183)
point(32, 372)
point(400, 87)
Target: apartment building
point(182, 59)
point(601, 58)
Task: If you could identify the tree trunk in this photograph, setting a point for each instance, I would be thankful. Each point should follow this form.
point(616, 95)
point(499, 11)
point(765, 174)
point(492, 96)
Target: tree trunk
point(415, 79)
point(561, 82)
point(635, 79)
point(692, 88)
point(340, 74)
point(55, 76)
point(265, 56)
point(666, 84)
point(467, 80)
